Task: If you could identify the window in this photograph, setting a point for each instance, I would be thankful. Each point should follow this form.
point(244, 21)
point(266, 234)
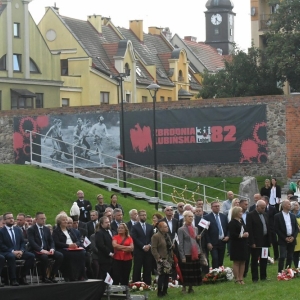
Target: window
point(17, 30)
point(33, 67)
point(230, 31)
point(39, 100)
point(65, 102)
point(162, 99)
point(144, 99)
point(17, 62)
point(64, 67)
point(217, 31)
point(21, 102)
point(180, 77)
point(128, 96)
point(104, 97)
point(169, 98)
point(0, 100)
point(3, 62)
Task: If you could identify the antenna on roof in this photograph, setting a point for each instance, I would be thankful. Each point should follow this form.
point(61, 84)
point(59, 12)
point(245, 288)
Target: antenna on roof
point(54, 4)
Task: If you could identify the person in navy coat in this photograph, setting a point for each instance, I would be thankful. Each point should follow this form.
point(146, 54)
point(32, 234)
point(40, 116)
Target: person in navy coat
point(141, 234)
point(12, 247)
point(217, 235)
point(286, 228)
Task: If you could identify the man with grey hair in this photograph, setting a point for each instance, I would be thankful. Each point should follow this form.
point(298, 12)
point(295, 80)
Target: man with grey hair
point(133, 214)
point(258, 227)
point(171, 222)
point(227, 203)
point(286, 228)
point(179, 214)
point(118, 218)
point(256, 197)
point(91, 225)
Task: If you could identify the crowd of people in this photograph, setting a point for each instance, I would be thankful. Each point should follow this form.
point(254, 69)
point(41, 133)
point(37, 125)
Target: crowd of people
point(95, 243)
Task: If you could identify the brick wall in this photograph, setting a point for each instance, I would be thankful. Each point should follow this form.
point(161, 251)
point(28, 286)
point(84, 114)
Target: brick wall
point(283, 118)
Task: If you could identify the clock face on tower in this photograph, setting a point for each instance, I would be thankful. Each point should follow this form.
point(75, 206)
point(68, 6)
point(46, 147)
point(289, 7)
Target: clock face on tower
point(216, 19)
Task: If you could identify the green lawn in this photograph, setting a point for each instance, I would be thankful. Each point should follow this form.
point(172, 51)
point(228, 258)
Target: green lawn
point(30, 189)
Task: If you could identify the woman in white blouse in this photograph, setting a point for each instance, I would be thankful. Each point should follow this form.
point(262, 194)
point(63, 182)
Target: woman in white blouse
point(66, 242)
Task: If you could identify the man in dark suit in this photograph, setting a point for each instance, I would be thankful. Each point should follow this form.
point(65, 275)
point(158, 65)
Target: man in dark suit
point(84, 206)
point(42, 245)
point(256, 198)
point(179, 213)
point(257, 224)
point(216, 236)
point(12, 247)
point(286, 228)
point(133, 214)
point(141, 234)
point(103, 241)
point(21, 223)
point(91, 225)
point(118, 218)
point(271, 212)
point(171, 222)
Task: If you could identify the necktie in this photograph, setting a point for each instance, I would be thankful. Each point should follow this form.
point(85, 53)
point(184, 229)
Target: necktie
point(265, 230)
point(43, 237)
point(12, 236)
point(144, 228)
point(219, 226)
point(24, 233)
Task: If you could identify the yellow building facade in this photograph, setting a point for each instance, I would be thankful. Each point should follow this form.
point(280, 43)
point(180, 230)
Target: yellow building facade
point(261, 11)
point(29, 72)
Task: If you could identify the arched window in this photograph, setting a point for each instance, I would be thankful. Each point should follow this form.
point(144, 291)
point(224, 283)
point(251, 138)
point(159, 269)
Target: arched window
point(33, 67)
point(180, 77)
point(127, 70)
point(3, 62)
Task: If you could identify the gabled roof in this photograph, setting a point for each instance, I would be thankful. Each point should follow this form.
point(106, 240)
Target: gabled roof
point(148, 51)
point(206, 54)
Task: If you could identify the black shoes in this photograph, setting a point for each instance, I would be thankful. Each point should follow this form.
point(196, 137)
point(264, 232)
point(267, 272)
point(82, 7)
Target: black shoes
point(14, 282)
point(23, 281)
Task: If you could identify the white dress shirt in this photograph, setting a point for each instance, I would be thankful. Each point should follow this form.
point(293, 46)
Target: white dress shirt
point(288, 224)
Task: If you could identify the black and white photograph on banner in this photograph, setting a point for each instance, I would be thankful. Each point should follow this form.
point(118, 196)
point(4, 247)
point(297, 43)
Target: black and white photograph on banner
point(93, 138)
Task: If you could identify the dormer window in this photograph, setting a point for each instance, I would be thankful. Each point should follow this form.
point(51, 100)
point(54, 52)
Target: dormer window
point(180, 77)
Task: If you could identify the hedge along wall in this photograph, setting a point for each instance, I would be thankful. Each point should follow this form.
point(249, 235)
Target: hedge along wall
point(283, 134)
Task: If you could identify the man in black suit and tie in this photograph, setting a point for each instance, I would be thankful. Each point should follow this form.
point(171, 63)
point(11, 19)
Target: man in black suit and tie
point(12, 247)
point(257, 224)
point(42, 245)
point(179, 213)
point(286, 228)
point(133, 214)
point(216, 236)
point(84, 206)
point(171, 222)
point(91, 225)
point(271, 212)
point(141, 234)
point(103, 241)
point(21, 223)
point(118, 218)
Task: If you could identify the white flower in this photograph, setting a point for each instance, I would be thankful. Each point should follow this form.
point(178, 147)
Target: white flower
point(134, 287)
point(141, 289)
point(142, 285)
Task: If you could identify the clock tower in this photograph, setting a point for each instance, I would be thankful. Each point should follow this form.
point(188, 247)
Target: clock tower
point(220, 25)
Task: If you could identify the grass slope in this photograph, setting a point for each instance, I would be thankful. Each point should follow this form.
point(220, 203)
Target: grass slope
point(30, 189)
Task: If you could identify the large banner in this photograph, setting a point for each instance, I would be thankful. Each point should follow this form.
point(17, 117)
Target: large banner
point(56, 136)
point(198, 136)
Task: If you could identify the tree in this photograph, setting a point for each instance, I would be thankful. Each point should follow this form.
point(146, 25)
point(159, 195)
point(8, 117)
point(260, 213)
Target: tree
point(244, 75)
point(283, 42)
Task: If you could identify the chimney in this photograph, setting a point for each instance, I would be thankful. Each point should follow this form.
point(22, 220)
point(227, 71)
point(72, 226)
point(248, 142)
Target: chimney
point(96, 21)
point(136, 26)
point(220, 51)
point(154, 30)
point(190, 38)
point(56, 8)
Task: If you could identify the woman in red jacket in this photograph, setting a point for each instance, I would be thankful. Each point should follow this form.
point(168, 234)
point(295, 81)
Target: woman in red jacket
point(123, 247)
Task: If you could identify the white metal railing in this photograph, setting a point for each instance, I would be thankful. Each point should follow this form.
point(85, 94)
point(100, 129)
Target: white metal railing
point(75, 159)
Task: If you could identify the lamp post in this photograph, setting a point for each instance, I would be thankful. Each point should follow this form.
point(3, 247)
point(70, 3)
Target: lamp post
point(153, 88)
point(120, 79)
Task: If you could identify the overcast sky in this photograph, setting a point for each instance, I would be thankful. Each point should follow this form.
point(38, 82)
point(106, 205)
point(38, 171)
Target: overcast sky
point(184, 20)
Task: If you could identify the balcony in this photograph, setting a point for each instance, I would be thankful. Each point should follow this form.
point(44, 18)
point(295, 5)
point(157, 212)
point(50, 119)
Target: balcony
point(265, 21)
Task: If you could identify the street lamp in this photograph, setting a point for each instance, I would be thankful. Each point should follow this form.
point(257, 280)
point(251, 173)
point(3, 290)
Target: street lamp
point(120, 79)
point(153, 88)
